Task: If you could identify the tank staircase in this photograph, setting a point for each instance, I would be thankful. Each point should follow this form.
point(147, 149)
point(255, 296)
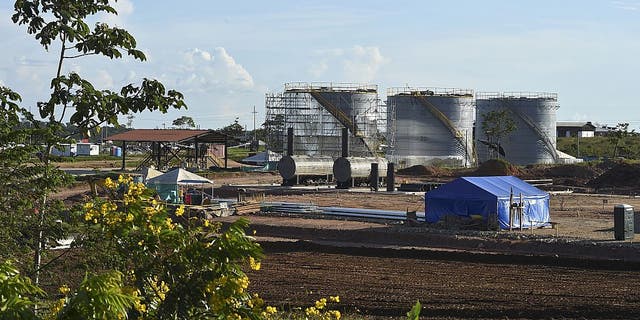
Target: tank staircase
point(532, 125)
point(469, 150)
point(342, 118)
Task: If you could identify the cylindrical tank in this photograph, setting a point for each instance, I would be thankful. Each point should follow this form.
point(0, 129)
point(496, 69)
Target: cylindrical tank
point(302, 165)
point(318, 112)
point(345, 169)
point(431, 125)
point(534, 139)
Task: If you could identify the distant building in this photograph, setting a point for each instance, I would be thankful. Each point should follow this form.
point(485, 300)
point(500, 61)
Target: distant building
point(582, 129)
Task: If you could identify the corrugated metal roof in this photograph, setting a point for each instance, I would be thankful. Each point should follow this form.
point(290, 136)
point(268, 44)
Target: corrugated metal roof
point(168, 135)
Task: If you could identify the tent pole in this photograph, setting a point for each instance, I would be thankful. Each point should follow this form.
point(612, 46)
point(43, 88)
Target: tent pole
point(511, 210)
point(520, 211)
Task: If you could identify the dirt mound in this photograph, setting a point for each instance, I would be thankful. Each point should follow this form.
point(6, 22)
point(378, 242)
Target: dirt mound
point(581, 171)
point(620, 175)
point(420, 170)
point(497, 167)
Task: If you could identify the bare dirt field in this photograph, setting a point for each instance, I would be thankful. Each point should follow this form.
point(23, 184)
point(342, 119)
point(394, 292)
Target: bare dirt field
point(380, 268)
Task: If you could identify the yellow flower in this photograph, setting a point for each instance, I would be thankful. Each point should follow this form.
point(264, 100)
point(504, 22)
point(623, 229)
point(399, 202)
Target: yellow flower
point(320, 304)
point(336, 314)
point(311, 311)
point(141, 242)
point(129, 217)
point(255, 265)
point(64, 289)
point(334, 298)
point(206, 223)
point(271, 310)
point(180, 210)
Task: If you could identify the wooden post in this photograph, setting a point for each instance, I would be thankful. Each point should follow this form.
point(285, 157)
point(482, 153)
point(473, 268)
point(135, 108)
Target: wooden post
point(511, 210)
point(124, 153)
point(520, 211)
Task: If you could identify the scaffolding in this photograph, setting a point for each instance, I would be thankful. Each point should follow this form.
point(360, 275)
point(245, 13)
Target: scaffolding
point(317, 112)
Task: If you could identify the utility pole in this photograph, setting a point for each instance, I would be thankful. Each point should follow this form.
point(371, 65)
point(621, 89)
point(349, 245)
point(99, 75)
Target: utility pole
point(254, 123)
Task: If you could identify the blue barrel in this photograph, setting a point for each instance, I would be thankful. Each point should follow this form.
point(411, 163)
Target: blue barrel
point(118, 152)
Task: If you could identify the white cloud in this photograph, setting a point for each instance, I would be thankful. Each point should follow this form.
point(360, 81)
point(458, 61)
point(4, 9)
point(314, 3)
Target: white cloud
point(203, 71)
point(626, 5)
point(104, 80)
point(123, 7)
point(357, 63)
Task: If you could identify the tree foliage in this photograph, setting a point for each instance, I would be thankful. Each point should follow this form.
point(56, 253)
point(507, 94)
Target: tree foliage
point(184, 122)
point(618, 138)
point(496, 125)
point(17, 294)
point(62, 25)
point(233, 130)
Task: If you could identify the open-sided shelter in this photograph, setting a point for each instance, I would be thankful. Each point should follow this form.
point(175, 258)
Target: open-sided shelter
point(173, 147)
point(488, 197)
point(170, 185)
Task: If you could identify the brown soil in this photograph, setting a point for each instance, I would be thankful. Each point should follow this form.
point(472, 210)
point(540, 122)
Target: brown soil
point(385, 284)
point(379, 269)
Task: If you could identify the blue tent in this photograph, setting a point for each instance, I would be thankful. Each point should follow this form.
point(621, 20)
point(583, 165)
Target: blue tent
point(488, 197)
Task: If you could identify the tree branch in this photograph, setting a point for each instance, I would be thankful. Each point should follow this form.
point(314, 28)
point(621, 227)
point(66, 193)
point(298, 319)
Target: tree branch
point(80, 55)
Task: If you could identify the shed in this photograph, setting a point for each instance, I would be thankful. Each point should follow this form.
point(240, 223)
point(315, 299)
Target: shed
point(488, 197)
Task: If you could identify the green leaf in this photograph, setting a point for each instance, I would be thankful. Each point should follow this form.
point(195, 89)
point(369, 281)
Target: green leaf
point(414, 314)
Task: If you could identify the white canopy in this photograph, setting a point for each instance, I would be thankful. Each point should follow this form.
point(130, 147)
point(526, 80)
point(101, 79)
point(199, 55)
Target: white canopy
point(179, 177)
point(263, 157)
point(149, 173)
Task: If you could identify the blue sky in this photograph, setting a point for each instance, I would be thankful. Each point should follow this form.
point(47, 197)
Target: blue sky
point(225, 55)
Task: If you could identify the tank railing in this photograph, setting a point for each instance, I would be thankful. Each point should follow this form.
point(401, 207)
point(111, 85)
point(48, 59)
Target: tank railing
point(429, 91)
point(329, 86)
point(516, 95)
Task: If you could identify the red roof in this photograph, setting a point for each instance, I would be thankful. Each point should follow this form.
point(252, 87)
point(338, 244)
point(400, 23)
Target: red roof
point(168, 135)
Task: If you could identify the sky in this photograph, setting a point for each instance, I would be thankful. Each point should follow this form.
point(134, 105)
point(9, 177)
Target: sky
point(224, 56)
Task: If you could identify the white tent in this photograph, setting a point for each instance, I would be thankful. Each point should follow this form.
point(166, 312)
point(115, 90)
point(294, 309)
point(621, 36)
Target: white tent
point(149, 173)
point(262, 158)
point(169, 185)
point(179, 177)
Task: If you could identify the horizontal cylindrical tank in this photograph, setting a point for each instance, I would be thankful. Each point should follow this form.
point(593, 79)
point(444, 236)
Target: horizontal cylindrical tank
point(432, 125)
point(344, 169)
point(534, 139)
point(303, 165)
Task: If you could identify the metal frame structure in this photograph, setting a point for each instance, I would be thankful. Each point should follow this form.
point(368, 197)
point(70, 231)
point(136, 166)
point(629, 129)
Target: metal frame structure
point(169, 147)
point(317, 112)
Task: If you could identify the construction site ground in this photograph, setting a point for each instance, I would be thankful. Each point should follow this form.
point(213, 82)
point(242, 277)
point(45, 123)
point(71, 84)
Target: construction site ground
point(381, 268)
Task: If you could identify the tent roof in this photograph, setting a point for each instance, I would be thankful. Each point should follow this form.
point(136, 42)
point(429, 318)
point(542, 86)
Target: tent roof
point(483, 187)
point(179, 176)
point(263, 157)
point(148, 173)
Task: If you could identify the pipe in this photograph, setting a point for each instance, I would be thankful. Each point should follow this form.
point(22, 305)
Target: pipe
point(391, 177)
point(289, 141)
point(345, 142)
point(375, 178)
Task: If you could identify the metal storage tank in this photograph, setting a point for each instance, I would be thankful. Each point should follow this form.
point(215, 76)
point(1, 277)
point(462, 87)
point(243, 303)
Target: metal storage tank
point(345, 169)
point(294, 167)
point(428, 125)
point(318, 111)
point(534, 114)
